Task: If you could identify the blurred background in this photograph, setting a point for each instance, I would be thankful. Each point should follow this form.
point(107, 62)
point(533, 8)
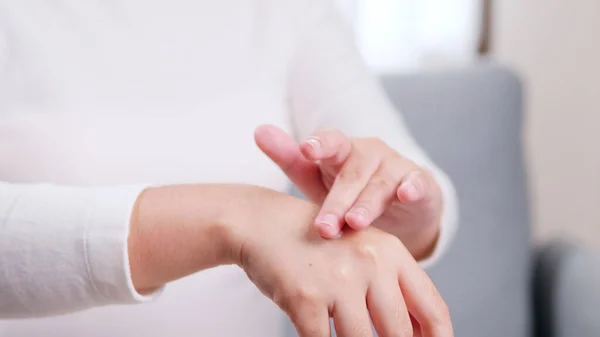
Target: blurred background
point(554, 45)
point(505, 96)
point(554, 48)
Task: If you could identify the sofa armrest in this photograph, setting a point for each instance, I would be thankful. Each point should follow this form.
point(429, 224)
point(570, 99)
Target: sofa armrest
point(566, 291)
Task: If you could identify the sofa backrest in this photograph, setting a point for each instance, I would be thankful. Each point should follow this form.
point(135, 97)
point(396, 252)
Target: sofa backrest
point(470, 122)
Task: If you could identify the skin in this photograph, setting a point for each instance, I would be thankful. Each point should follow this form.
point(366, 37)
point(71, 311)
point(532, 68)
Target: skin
point(364, 274)
point(360, 182)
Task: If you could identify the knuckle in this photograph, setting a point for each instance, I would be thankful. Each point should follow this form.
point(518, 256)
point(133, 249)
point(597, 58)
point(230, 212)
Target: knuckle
point(396, 161)
point(306, 295)
point(351, 175)
point(301, 296)
point(391, 169)
point(384, 182)
point(368, 252)
point(391, 244)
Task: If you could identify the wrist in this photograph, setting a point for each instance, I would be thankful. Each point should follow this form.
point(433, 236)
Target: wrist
point(252, 209)
point(179, 230)
point(258, 211)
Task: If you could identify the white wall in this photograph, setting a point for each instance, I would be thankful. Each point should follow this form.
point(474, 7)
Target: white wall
point(555, 44)
point(400, 35)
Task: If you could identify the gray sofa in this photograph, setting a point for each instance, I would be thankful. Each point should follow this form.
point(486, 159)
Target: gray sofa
point(470, 123)
point(496, 283)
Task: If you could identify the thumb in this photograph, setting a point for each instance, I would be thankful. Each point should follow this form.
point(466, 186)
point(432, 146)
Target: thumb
point(282, 149)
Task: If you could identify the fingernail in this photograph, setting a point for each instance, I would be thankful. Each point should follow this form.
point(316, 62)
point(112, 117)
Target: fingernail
point(328, 223)
point(359, 213)
point(314, 142)
point(358, 217)
point(338, 235)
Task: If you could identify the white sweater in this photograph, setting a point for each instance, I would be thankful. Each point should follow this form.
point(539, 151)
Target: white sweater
point(107, 96)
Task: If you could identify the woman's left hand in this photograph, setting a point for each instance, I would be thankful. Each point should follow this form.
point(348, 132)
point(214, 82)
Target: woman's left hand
point(360, 182)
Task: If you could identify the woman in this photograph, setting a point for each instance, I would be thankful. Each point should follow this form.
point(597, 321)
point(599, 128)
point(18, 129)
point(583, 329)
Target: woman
point(126, 149)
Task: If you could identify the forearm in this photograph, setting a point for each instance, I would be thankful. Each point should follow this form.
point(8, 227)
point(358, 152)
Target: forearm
point(179, 230)
point(64, 249)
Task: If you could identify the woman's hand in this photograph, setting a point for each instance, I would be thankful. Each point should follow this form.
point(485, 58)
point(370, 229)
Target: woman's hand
point(359, 182)
point(180, 230)
point(365, 274)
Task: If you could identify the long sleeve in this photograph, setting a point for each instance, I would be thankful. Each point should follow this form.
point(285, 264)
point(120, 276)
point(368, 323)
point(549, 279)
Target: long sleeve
point(331, 87)
point(64, 249)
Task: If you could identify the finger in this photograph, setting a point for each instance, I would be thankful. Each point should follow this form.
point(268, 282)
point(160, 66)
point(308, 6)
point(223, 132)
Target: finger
point(285, 152)
point(311, 321)
point(379, 193)
point(347, 186)
point(351, 318)
point(330, 146)
point(415, 187)
point(388, 310)
point(422, 298)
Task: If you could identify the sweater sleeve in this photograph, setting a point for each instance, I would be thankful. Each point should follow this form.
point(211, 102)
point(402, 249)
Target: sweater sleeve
point(64, 249)
point(331, 87)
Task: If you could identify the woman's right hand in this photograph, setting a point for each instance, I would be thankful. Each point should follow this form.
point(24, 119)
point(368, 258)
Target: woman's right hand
point(180, 230)
point(365, 274)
